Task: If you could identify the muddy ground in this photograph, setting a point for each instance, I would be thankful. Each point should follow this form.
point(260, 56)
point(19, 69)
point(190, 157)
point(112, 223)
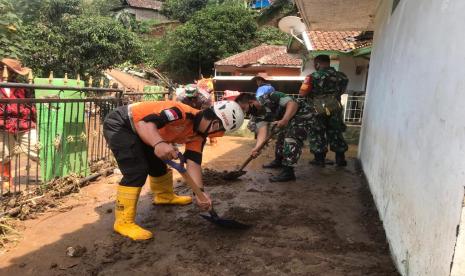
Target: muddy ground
point(323, 224)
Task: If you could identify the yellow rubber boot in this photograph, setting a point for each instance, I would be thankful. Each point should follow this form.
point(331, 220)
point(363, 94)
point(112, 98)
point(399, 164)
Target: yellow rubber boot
point(125, 213)
point(162, 188)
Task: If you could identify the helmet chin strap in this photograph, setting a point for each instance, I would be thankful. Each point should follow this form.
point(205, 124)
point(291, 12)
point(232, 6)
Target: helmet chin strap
point(205, 133)
point(197, 121)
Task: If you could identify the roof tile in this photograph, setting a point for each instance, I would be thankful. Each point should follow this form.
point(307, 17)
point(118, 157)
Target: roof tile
point(335, 41)
point(146, 4)
point(262, 55)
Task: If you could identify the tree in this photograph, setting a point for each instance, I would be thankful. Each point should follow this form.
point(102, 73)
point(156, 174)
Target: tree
point(49, 12)
point(278, 9)
point(214, 32)
point(80, 45)
point(271, 35)
point(182, 10)
point(100, 7)
point(10, 38)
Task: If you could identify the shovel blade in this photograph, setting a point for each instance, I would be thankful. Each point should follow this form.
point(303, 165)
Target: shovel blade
point(226, 223)
point(233, 175)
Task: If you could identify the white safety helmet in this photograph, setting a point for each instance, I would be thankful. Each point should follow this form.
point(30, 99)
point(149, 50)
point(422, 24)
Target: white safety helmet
point(230, 114)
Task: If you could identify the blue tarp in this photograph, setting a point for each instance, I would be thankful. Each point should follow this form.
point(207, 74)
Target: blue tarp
point(260, 4)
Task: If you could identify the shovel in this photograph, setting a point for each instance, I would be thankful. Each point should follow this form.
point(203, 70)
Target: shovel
point(233, 175)
point(213, 216)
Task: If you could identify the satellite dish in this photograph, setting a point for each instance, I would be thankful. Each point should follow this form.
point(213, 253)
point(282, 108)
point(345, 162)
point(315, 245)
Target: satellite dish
point(292, 25)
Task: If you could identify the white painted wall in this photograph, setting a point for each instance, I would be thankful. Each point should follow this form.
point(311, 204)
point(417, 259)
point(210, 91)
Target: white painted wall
point(308, 68)
point(413, 137)
point(348, 65)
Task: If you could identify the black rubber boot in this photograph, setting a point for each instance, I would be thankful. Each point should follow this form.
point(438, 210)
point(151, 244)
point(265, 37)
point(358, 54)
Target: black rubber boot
point(319, 160)
point(341, 159)
point(275, 164)
point(287, 174)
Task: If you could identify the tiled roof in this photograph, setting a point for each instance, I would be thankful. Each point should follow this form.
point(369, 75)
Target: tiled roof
point(336, 41)
point(145, 4)
point(262, 55)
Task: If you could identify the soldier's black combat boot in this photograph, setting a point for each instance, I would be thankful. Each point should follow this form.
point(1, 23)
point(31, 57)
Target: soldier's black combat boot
point(287, 174)
point(319, 160)
point(341, 159)
point(275, 164)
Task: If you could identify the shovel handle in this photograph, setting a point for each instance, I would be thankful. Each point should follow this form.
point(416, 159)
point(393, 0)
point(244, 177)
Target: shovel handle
point(183, 171)
point(267, 139)
point(177, 166)
point(195, 188)
point(185, 175)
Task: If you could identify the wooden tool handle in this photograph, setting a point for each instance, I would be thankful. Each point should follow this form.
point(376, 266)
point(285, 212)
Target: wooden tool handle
point(195, 188)
point(268, 138)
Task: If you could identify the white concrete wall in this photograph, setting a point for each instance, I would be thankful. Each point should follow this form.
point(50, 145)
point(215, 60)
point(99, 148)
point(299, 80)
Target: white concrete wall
point(413, 137)
point(348, 65)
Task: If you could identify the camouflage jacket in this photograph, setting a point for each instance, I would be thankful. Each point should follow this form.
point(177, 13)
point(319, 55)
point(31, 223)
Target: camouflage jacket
point(274, 104)
point(323, 82)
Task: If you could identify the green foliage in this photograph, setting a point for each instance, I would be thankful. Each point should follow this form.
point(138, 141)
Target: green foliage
point(129, 21)
point(182, 10)
point(279, 8)
point(212, 33)
point(80, 45)
point(101, 43)
point(65, 36)
point(100, 7)
point(154, 51)
point(126, 19)
point(146, 26)
point(49, 12)
point(271, 35)
point(10, 39)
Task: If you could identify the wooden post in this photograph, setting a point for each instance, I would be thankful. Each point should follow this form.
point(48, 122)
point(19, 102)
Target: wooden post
point(50, 77)
point(90, 81)
point(65, 81)
point(5, 74)
point(78, 77)
point(101, 83)
point(30, 78)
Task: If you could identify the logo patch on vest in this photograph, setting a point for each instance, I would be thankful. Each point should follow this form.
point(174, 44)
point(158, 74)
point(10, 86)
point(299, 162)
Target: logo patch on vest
point(171, 115)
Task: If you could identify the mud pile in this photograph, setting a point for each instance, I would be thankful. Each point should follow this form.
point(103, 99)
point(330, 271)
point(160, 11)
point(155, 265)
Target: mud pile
point(324, 223)
point(214, 178)
point(27, 204)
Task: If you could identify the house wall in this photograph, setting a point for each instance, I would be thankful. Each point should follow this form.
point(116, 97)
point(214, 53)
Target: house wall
point(348, 65)
point(143, 14)
point(413, 136)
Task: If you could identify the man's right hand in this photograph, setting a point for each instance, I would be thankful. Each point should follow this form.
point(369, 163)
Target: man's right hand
point(165, 151)
point(205, 204)
point(255, 152)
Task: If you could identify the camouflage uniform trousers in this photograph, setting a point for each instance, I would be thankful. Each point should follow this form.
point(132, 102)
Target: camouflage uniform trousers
point(327, 129)
point(290, 141)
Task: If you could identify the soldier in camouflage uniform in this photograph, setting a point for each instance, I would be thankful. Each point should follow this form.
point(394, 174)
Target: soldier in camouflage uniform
point(323, 90)
point(292, 116)
point(194, 97)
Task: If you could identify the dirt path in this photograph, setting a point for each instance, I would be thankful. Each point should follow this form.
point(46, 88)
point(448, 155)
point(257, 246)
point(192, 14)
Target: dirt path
point(322, 224)
point(128, 81)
